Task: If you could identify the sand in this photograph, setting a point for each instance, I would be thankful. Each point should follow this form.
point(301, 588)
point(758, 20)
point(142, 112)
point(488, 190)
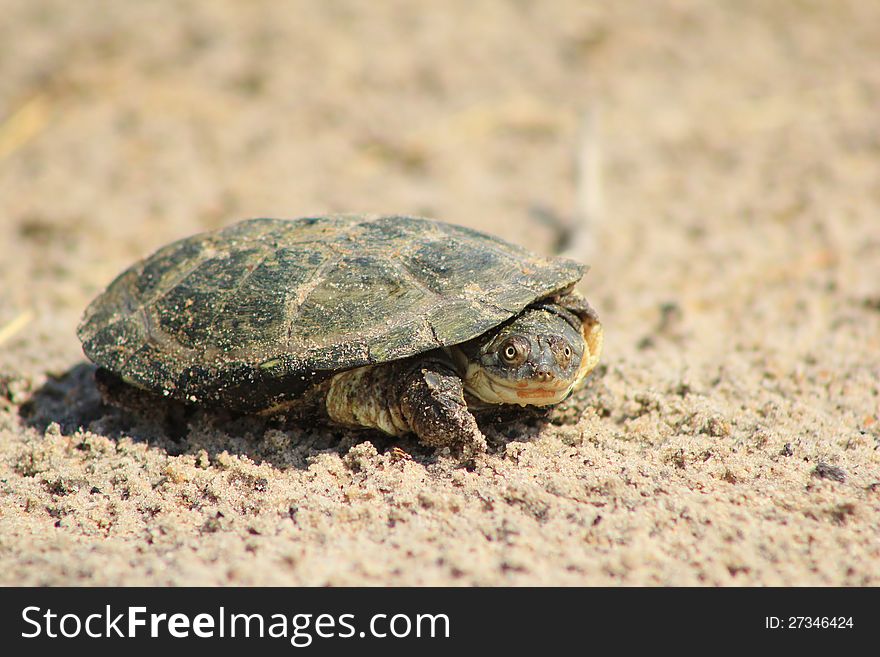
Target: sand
point(730, 436)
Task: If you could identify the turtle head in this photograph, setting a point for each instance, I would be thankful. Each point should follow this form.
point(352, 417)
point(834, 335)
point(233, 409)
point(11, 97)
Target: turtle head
point(537, 358)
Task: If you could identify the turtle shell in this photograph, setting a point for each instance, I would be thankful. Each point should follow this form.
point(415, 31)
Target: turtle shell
point(256, 312)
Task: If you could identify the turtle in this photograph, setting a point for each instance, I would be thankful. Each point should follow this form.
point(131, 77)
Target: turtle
point(390, 322)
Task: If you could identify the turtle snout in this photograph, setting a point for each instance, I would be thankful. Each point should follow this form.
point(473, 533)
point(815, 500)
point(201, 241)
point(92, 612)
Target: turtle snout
point(544, 374)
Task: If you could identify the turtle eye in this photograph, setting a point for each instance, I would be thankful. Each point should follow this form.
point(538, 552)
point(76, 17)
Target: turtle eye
point(514, 351)
point(563, 354)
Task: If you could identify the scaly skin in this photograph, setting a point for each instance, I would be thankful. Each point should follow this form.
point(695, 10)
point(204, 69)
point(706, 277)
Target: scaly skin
point(425, 397)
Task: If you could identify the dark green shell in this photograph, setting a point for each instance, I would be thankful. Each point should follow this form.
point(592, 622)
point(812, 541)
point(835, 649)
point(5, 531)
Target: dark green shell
point(252, 314)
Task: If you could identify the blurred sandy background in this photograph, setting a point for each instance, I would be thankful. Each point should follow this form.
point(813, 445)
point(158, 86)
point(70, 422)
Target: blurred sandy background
point(731, 436)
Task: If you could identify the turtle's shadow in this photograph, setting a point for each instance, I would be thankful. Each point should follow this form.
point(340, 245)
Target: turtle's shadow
point(73, 402)
point(69, 400)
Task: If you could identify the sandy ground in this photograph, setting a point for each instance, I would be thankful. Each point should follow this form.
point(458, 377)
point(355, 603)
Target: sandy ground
point(731, 435)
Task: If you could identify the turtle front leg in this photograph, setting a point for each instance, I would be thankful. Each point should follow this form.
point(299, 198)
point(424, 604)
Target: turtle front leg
point(425, 397)
point(432, 401)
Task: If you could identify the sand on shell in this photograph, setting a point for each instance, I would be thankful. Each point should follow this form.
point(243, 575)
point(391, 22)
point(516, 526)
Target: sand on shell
point(731, 434)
